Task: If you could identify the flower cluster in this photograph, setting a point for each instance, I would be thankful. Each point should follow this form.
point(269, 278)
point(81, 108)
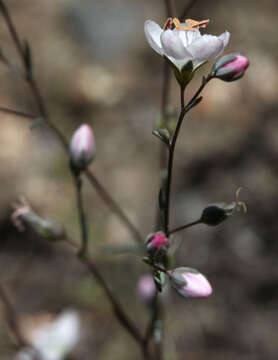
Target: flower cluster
point(186, 50)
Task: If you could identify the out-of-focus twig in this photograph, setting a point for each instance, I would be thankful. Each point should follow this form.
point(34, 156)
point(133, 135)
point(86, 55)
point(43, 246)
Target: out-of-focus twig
point(17, 113)
point(28, 76)
point(11, 318)
point(119, 312)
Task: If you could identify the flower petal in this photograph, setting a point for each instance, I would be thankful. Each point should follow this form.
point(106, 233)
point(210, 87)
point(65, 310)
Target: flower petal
point(225, 37)
point(208, 47)
point(153, 32)
point(173, 45)
point(188, 37)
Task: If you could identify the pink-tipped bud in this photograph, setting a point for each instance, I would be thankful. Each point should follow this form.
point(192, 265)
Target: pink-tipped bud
point(146, 289)
point(190, 283)
point(156, 240)
point(230, 67)
point(82, 147)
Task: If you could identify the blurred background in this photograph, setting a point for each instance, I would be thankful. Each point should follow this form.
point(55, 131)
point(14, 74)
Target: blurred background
point(93, 65)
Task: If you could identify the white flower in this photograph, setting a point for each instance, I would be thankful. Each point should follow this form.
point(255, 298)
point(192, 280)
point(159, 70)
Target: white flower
point(56, 340)
point(181, 46)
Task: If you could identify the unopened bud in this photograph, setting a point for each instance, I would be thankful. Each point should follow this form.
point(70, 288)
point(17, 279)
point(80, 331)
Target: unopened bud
point(82, 147)
point(146, 289)
point(230, 67)
point(190, 283)
point(23, 216)
point(156, 240)
point(157, 247)
point(217, 213)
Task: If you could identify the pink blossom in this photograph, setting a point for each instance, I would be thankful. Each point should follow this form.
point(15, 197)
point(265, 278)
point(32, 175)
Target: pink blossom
point(82, 147)
point(239, 64)
point(190, 283)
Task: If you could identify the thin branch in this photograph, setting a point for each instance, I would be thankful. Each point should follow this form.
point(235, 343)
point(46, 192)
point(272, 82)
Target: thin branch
point(183, 227)
point(12, 320)
point(82, 216)
point(43, 114)
point(114, 206)
point(17, 113)
point(117, 308)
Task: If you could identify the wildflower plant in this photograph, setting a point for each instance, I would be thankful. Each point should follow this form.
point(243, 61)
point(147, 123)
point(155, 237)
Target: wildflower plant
point(185, 49)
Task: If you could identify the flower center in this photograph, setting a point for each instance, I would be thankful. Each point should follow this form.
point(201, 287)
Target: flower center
point(190, 25)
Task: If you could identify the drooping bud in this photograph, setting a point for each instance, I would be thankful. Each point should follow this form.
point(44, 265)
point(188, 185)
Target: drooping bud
point(230, 67)
point(190, 283)
point(217, 213)
point(24, 216)
point(82, 147)
point(146, 289)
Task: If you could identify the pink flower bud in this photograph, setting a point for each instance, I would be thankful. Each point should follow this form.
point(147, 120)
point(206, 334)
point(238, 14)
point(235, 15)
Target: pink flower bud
point(190, 283)
point(156, 240)
point(146, 289)
point(240, 64)
point(82, 147)
point(230, 67)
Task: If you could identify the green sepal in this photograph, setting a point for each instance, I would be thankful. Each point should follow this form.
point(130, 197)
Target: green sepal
point(162, 134)
point(159, 279)
point(183, 75)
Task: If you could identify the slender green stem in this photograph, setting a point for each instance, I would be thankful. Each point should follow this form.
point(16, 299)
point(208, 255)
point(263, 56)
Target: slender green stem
point(186, 226)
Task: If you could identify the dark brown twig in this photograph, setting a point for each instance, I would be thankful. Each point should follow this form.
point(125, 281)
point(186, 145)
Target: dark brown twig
point(82, 216)
point(44, 115)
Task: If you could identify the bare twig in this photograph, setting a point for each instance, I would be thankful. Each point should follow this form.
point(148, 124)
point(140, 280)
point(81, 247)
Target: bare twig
point(12, 320)
point(82, 216)
point(124, 320)
point(118, 310)
point(44, 114)
point(183, 227)
point(17, 113)
point(113, 206)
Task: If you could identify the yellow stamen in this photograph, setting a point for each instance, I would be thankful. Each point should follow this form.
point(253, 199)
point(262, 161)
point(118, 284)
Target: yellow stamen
point(192, 24)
